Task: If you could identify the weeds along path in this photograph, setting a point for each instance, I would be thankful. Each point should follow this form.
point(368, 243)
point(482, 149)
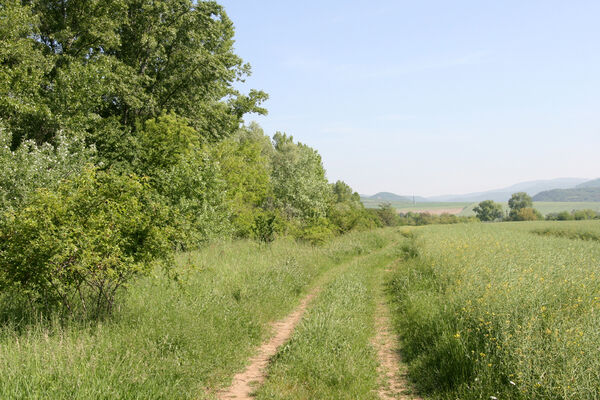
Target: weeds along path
point(246, 382)
point(330, 355)
point(393, 373)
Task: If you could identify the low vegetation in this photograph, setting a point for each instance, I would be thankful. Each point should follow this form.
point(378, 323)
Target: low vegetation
point(330, 355)
point(166, 338)
point(496, 311)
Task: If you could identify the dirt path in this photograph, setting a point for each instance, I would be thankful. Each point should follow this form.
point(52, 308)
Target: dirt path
point(392, 371)
point(245, 382)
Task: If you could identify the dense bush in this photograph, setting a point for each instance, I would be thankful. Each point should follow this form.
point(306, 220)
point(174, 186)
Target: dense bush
point(79, 244)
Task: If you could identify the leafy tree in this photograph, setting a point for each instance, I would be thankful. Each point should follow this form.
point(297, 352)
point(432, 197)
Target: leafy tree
point(387, 214)
point(527, 214)
point(98, 67)
point(517, 202)
point(347, 211)
point(300, 188)
point(488, 210)
point(246, 172)
point(187, 178)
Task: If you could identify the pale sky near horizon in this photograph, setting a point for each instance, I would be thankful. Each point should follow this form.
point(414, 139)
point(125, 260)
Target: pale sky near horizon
point(430, 97)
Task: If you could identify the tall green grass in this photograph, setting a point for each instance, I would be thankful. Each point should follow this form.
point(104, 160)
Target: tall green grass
point(168, 339)
point(493, 310)
point(330, 355)
point(582, 230)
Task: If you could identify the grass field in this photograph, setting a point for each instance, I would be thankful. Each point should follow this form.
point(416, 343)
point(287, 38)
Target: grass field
point(498, 310)
point(171, 340)
point(545, 207)
point(330, 355)
point(482, 310)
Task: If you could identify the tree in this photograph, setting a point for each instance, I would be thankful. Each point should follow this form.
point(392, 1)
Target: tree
point(488, 210)
point(527, 214)
point(517, 202)
point(387, 214)
point(246, 172)
point(97, 68)
point(300, 187)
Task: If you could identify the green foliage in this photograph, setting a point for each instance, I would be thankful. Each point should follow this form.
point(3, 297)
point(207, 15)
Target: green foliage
point(488, 210)
point(527, 214)
point(81, 243)
point(30, 167)
point(163, 142)
point(119, 89)
point(195, 195)
point(264, 228)
point(347, 211)
point(517, 202)
point(300, 188)
point(316, 231)
point(387, 214)
point(246, 172)
point(150, 56)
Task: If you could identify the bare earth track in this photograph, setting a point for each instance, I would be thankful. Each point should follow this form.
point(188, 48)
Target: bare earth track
point(392, 371)
point(245, 382)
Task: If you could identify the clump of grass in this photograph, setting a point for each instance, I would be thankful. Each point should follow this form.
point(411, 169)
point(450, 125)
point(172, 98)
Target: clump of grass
point(491, 310)
point(330, 356)
point(171, 339)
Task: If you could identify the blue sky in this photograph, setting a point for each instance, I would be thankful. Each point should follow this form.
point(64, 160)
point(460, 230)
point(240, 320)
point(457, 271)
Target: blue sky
point(430, 97)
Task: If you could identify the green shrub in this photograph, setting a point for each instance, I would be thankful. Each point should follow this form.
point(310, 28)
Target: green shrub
point(527, 214)
point(76, 246)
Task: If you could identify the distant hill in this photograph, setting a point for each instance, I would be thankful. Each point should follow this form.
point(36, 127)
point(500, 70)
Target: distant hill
point(501, 195)
point(579, 193)
point(590, 184)
point(531, 187)
point(392, 197)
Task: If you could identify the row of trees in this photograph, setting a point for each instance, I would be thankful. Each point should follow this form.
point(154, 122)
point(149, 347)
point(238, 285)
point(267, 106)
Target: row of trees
point(122, 141)
point(387, 215)
point(521, 209)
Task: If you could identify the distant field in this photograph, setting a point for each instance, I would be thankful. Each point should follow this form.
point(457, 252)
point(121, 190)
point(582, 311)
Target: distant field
point(545, 207)
point(433, 208)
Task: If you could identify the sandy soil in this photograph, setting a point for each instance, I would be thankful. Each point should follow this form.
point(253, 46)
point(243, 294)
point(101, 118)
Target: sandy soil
point(392, 371)
point(245, 383)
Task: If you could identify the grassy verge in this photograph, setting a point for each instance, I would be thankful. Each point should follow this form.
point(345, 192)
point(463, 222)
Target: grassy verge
point(172, 340)
point(330, 355)
point(490, 310)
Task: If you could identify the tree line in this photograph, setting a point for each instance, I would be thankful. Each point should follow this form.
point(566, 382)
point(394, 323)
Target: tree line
point(122, 141)
point(521, 209)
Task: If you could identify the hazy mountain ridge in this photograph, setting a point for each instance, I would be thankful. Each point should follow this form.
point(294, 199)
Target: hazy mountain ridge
point(589, 184)
point(533, 188)
point(575, 195)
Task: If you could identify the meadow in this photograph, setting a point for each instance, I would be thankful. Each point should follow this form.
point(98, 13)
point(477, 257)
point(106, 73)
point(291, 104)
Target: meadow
point(507, 310)
point(167, 339)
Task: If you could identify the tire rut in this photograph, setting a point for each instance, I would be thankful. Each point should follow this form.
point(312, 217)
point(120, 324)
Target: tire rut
point(393, 373)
